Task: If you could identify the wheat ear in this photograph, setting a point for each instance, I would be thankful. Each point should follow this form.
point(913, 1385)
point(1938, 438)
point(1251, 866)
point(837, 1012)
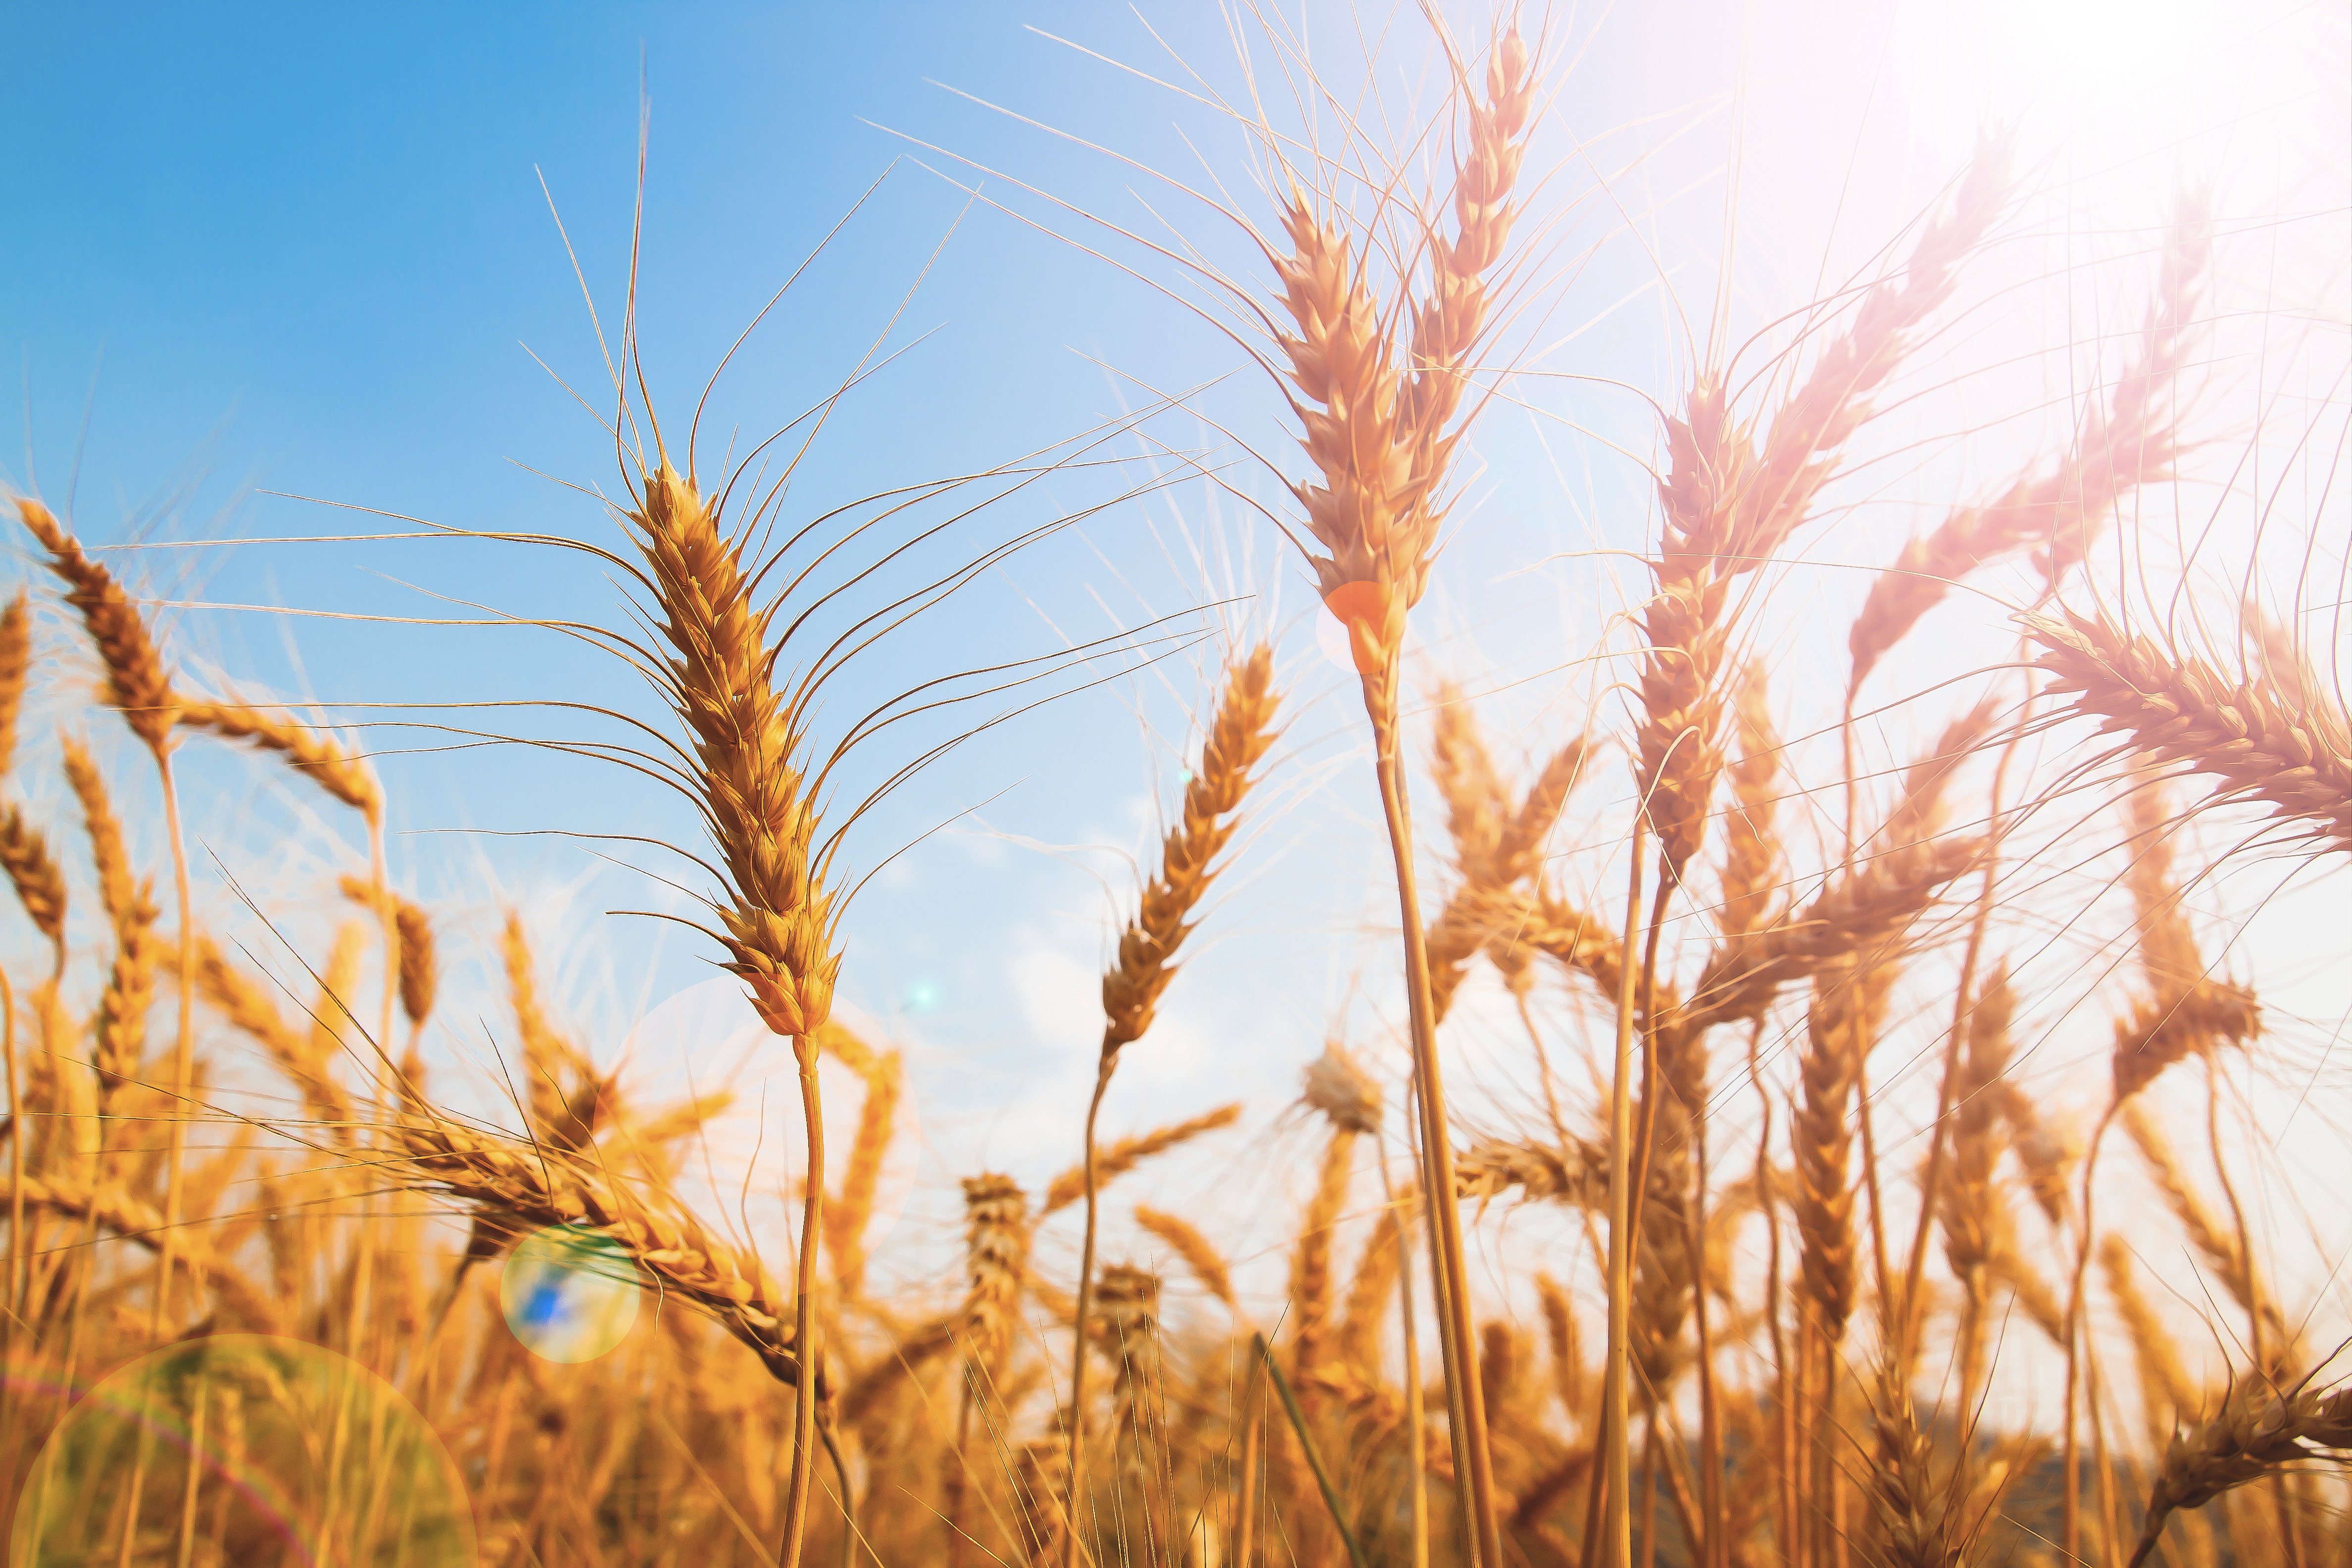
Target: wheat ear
point(2187, 1011)
point(1238, 738)
point(749, 775)
point(130, 905)
point(996, 1261)
point(2296, 756)
point(139, 685)
point(1122, 1155)
point(878, 1121)
point(2130, 442)
point(40, 885)
point(1919, 1524)
point(1380, 424)
point(2256, 1432)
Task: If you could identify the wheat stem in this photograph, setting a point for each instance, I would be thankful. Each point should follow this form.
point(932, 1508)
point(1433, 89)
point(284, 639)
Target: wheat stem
point(804, 1303)
point(1616, 1531)
point(1449, 1269)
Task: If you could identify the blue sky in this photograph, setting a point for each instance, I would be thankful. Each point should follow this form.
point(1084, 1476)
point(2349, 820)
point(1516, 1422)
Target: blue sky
point(303, 249)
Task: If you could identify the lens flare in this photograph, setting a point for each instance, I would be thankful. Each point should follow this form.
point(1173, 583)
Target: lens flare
point(244, 1448)
point(570, 1295)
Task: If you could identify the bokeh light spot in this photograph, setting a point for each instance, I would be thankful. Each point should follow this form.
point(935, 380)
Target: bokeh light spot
point(570, 1295)
point(244, 1448)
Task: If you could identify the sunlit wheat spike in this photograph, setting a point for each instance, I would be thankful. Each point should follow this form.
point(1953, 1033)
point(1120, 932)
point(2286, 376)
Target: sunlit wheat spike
point(1841, 1025)
point(555, 1069)
point(846, 1221)
point(2132, 441)
point(40, 885)
point(15, 664)
point(1380, 415)
point(2187, 1012)
point(996, 1259)
point(307, 750)
point(137, 682)
point(2166, 1394)
point(1492, 1167)
point(1199, 1255)
point(1729, 505)
point(1752, 857)
point(1237, 741)
point(749, 747)
point(2177, 708)
point(113, 1207)
point(131, 910)
point(525, 1187)
point(1337, 1086)
point(1311, 1264)
point(420, 974)
point(2257, 1432)
point(2218, 1249)
point(1475, 805)
point(1117, 1158)
point(245, 1004)
point(1913, 1509)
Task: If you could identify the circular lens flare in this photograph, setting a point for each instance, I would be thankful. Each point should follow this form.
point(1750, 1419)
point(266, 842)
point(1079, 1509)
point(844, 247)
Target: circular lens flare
point(244, 1448)
point(570, 1295)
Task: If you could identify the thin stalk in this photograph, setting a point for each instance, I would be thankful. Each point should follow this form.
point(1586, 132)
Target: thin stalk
point(1253, 1459)
point(1415, 1416)
point(1314, 1455)
point(183, 1048)
point(1710, 1482)
point(805, 1292)
point(1448, 1268)
point(187, 1539)
point(1785, 1417)
point(1889, 1310)
point(19, 1260)
point(1078, 1336)
point(2070, 1448)
point(2290, 1531)
point(1616, 1529)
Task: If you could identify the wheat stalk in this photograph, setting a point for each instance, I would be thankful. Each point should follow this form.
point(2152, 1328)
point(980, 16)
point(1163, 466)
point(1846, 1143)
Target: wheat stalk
point(750, 777)
point(1239, 736)
point(1380, 425)
point(138, 685)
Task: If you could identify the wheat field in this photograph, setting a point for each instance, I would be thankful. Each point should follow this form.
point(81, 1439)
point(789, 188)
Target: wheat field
point(1707, 1198)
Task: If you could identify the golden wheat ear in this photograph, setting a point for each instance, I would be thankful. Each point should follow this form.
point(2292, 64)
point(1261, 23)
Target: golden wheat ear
point(2256, 739)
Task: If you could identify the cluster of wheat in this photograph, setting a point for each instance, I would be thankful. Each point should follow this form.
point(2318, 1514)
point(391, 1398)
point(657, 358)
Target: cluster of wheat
point(247, 1329)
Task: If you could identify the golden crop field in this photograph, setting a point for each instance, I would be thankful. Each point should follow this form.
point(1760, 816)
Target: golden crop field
point(1781, 1241)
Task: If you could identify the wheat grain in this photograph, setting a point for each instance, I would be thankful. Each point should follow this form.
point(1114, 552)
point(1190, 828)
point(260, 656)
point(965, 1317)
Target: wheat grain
point(420, 975)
